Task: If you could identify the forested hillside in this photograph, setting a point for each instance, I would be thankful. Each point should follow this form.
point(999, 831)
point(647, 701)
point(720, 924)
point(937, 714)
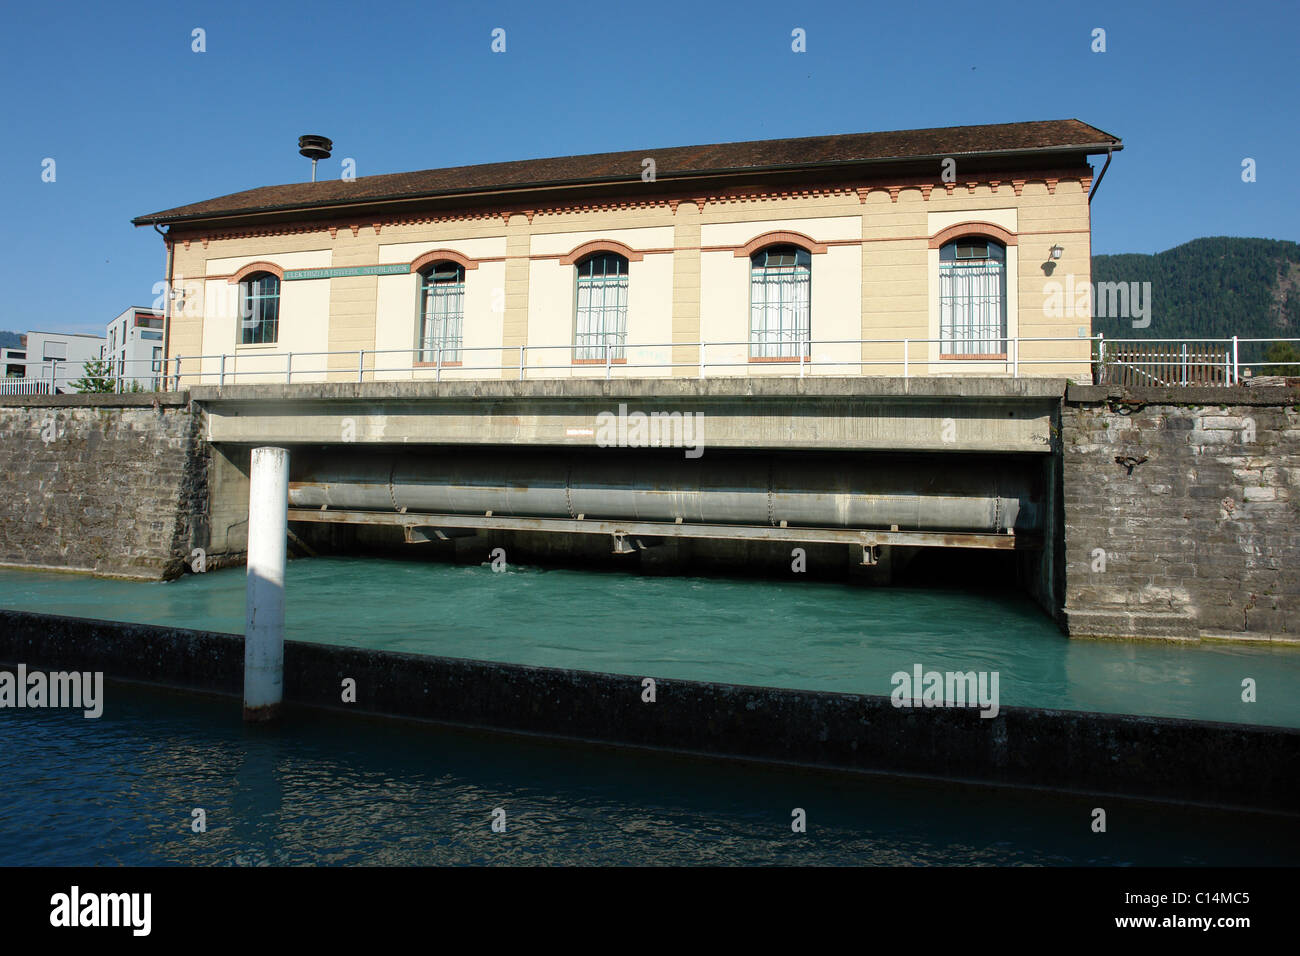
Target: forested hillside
point(1210, 288)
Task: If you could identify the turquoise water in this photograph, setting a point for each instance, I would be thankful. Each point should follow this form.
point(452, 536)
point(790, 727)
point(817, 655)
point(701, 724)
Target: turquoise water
point(321, 788)
point(805, 635)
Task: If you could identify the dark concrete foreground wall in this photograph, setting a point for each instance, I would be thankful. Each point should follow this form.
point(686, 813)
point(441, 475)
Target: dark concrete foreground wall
point(114, 484)
point(1160, 758)
point(1202, 539)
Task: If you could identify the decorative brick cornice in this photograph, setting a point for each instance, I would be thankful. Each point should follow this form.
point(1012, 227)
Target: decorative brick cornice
point(670, 204)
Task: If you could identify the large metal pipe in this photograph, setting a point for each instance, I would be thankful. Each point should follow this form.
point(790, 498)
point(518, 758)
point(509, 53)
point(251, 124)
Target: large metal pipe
point(268, 504)
point(956, 493)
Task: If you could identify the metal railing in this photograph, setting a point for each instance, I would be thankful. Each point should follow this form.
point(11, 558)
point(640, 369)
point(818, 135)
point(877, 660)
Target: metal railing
point(1101, 360)
point(1163, 362)
point(62, 376)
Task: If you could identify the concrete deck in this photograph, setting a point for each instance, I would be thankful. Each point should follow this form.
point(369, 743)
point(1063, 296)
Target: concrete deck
point(852, 413)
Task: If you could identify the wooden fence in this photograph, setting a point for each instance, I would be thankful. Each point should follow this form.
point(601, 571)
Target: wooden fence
point(1164, 363)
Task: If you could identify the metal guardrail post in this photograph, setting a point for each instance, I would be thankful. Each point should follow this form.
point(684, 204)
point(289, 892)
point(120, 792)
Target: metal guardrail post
point(1015, 357)
point(608, 354)
point(907, 347)
point(1101, 360)
point(288, 368)
point(521, 362)
point(178, 373)
point(222, 380)
point(1236, 370)
point(437, 375)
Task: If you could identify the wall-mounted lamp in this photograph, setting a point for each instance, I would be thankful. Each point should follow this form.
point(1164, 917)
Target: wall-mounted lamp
point(1055, 252)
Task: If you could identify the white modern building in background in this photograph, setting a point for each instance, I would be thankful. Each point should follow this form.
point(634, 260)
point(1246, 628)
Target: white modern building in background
point(51, 362)
point(13, 360)
point(134, 348)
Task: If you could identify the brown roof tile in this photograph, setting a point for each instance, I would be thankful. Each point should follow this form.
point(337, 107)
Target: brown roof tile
point(680, 162)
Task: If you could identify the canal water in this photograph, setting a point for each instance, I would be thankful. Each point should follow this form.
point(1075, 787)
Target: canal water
point(806, 635)
point(322, 788)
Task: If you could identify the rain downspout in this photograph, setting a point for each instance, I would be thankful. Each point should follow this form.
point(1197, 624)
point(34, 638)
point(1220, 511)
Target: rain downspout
point(167, 306)
point(1100, 176)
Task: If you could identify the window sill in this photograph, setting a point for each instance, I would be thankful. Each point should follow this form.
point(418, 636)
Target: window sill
point(779, 358)
point(617, 361)
point(975, 356)
point(256, 345)
point(439, 364)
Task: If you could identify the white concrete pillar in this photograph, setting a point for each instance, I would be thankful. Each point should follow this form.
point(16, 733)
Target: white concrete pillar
point(268, 506)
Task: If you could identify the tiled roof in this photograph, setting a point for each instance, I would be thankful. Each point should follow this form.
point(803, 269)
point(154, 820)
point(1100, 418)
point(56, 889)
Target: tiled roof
point(679, 162)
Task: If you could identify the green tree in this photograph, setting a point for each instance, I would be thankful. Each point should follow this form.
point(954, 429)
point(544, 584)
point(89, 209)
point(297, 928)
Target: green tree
point(96, 376)
point(1281, 352)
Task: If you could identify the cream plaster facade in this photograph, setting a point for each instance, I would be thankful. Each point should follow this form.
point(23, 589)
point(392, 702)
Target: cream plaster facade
point(874, 276)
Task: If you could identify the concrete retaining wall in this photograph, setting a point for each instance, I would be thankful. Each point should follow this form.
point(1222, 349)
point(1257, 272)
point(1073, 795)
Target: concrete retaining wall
point(113, 484)
point(1159, 758)
point(1200, 537)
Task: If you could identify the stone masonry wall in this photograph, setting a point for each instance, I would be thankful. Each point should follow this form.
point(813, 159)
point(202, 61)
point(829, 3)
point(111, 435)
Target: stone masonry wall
point(1202, 538)
point(114, 484)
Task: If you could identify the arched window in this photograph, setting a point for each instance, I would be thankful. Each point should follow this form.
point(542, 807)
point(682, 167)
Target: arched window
point(973, 297)
point(442, 311)
point(259, 309)
point(779, 298)
point(601, 308)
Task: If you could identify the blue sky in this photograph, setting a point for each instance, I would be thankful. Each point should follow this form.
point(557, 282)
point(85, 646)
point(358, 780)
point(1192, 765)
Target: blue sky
point(137, 122)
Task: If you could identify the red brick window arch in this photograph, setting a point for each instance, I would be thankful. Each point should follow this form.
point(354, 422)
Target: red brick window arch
point(254, 267)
